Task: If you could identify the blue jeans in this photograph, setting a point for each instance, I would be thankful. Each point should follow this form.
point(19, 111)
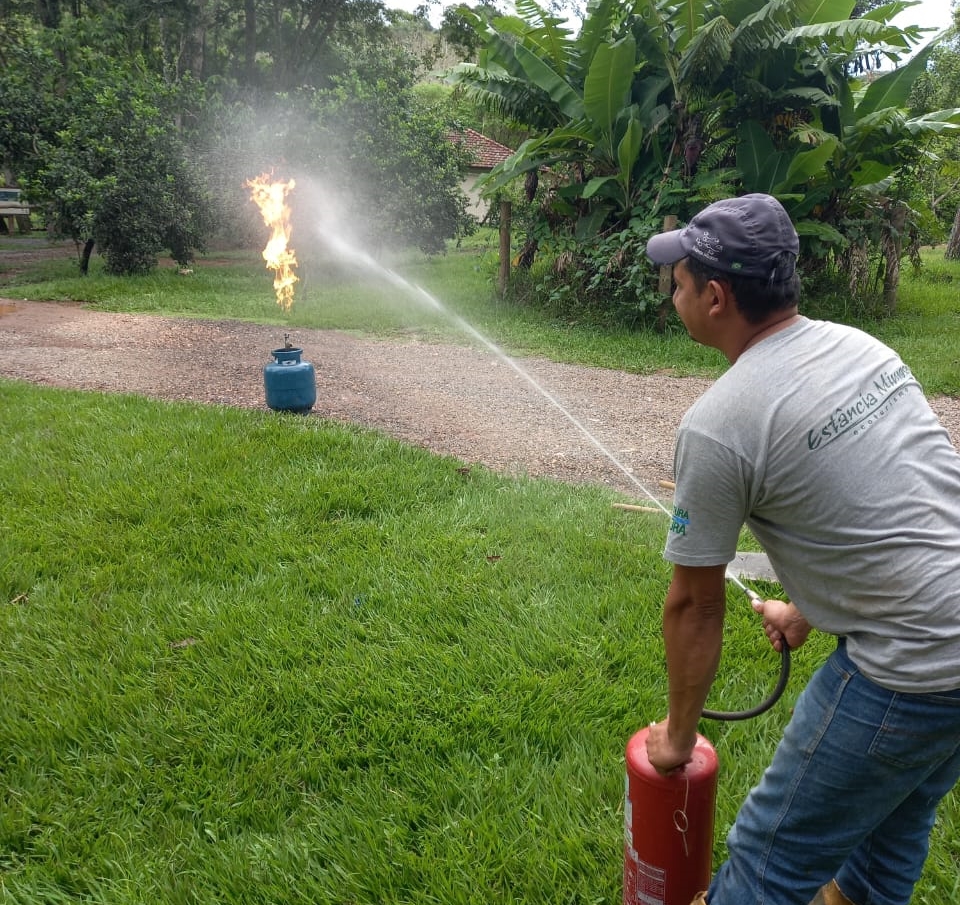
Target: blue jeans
point(851, 793)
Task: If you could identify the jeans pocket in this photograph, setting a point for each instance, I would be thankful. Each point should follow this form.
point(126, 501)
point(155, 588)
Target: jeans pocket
point(918, 729)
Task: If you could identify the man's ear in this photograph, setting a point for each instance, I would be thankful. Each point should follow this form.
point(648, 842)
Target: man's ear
point(721, 298)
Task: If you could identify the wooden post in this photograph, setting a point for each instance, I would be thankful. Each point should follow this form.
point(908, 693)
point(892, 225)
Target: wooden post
point(503, 277)
point(665, 282)
point(666, 272)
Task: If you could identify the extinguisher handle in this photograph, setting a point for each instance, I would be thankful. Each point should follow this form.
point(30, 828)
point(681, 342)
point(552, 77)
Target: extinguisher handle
point(733, 715)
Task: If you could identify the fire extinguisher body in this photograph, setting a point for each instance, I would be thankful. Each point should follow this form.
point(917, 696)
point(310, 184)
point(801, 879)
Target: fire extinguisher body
point(668, 826)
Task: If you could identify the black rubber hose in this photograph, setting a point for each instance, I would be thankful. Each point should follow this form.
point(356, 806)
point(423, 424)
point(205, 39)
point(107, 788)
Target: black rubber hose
point(730, 716)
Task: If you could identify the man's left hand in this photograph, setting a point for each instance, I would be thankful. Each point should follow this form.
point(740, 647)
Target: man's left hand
point(782, 622)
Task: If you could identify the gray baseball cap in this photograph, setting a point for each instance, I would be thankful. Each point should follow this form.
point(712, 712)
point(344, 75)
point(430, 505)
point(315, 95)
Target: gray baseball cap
point(743, 236)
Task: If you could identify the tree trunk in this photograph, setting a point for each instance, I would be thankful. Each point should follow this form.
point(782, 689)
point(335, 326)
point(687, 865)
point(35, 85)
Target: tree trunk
point(892, 249)
point(85, 256)
point(250, 40)
point(196, 41)
point(48, 12)
point(665, 281)
point(953, 246)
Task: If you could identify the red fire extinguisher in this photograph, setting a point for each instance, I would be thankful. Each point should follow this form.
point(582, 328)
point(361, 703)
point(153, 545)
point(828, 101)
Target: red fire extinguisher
point(668, 819)
point(668, 826)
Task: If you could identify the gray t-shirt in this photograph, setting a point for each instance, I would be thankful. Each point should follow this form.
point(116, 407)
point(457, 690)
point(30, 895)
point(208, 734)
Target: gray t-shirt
point(820, 439)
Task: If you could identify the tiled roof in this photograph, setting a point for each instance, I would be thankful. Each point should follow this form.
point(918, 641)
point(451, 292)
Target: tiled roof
point(485, 152)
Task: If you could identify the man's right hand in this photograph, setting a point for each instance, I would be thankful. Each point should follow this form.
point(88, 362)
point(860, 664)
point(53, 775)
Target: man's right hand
point(782, 622)
point(663, 752)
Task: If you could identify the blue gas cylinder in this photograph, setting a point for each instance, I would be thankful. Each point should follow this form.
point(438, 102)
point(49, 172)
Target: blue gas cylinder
point(290, 384)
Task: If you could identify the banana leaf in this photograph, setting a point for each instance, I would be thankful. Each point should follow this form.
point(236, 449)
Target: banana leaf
point(608, 82)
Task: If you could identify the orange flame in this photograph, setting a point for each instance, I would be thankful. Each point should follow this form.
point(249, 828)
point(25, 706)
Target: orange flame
point(269, 197)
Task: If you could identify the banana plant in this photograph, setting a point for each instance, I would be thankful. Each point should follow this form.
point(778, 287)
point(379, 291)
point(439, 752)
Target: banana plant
point(872, 140)
point(626, 111)
point(584, 88)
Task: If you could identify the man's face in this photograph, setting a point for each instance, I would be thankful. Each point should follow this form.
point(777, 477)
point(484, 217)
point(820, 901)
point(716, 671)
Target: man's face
point(692, 304)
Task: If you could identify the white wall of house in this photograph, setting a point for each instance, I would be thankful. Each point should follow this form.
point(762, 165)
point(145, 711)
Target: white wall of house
point(478, 206)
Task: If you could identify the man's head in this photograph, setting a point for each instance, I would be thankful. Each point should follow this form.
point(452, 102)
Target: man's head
point(747, 243)
point(750, 237)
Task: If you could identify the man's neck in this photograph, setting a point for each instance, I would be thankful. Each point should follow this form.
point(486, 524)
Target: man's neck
point(755, 333)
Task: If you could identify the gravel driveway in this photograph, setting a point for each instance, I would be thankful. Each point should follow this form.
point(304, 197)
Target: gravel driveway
point(459, 401)
point(464, 402)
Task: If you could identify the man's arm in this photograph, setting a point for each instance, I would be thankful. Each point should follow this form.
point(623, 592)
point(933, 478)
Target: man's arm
point(693, 636)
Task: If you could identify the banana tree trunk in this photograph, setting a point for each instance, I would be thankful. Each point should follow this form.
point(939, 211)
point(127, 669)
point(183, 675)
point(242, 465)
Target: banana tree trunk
point(892, 250)
point(953, 246)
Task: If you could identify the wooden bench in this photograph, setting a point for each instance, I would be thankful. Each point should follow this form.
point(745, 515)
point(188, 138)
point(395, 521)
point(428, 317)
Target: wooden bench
point(13, 211)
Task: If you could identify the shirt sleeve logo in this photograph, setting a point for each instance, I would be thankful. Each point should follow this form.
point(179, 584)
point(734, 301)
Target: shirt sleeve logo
point(679, 521)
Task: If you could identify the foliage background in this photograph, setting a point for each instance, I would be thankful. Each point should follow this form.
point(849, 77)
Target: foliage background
point(133, 129)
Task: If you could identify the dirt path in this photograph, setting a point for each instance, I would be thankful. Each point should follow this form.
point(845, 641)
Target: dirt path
point(449, 399)
point(452, 400)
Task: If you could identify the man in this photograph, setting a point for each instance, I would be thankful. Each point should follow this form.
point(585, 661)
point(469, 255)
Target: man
point(819, 438)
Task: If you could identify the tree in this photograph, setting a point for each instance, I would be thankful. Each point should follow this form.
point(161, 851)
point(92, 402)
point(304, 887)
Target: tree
point(940, 172)
point(94, 146)
point(401, 169)
point(292, 43)
point(386, 156)
point(30, 105)
point(117, 178)
point(458, 26)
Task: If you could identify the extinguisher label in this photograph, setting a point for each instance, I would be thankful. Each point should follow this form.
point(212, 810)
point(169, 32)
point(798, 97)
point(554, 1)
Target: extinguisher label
point(644, 884)
point(650, 883)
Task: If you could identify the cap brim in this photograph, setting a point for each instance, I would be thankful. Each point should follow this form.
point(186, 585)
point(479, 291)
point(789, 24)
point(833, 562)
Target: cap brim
point(666, 248)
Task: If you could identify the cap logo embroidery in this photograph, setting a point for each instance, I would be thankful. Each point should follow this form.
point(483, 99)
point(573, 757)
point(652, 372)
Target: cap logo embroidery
point(708, 246)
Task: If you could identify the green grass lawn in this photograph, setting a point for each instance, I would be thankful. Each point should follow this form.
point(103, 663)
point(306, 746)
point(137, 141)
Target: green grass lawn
point(259, 658)
point(254, 658)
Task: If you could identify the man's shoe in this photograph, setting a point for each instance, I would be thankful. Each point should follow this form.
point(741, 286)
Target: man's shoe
point(830, 895)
